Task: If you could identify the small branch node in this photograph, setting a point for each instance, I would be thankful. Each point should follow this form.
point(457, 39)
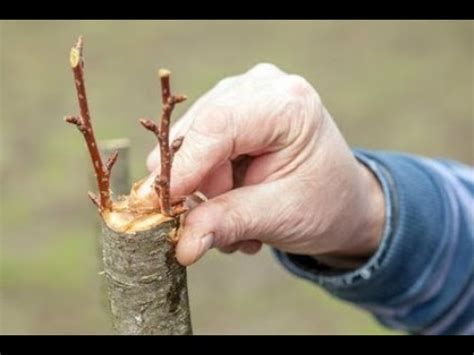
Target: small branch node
point(179, 98)
point(150, 125)
point(175, 145)
point(111, 161)
point(179, 209)
point(162, 190)
point(73, 120)
point(94, 199)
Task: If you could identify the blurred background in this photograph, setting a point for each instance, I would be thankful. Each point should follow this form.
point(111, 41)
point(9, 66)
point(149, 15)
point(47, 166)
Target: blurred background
point(401, 85)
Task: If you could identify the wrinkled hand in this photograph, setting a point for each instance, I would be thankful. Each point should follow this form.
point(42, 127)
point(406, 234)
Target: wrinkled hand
point(276, 169)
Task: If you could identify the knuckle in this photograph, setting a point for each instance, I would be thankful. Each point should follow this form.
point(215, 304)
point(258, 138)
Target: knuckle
point(298, 86)
point(264, 68)
point(212, 120)
point(233, 225)
point(225, 83)
point(301, 102)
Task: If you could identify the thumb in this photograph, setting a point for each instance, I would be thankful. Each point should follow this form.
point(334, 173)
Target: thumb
point(254, 212)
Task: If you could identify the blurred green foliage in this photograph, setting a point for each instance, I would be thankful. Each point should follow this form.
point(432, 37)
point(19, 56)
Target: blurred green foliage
point(390, 85)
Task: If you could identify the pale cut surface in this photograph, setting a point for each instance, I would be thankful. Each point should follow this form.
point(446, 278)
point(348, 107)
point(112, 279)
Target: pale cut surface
point(133, 213)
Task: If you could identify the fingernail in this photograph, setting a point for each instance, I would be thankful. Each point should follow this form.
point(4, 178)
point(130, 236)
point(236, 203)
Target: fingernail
point(206, 242)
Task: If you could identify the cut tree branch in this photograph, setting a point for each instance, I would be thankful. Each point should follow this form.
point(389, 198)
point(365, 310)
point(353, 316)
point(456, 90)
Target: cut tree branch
point(83, 123)
point(167, 152)
point(146, 286)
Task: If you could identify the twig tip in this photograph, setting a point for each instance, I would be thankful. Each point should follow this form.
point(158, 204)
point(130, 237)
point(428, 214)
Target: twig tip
point(149, 124)
point(72, 119)
point(111, 161)
point(163, 73)
point(74, 57)
point(80, 42)
point(179, 98)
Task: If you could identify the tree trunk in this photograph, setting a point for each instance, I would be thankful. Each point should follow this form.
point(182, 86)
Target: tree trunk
point(147, 288)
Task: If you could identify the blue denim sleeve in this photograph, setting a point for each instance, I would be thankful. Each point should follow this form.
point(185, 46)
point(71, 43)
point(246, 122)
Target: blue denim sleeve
point(421, 278)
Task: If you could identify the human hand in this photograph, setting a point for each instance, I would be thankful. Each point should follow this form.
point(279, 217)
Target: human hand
point(268, 155)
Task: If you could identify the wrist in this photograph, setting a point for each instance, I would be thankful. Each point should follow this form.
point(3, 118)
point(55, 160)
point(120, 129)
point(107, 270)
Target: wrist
point(373, 220)
point(366, 228)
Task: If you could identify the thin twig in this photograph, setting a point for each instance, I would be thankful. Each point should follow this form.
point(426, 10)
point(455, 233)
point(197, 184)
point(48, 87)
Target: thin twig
point(83, 123)
point(111, 161)
point(167, 152)
point(94, 199)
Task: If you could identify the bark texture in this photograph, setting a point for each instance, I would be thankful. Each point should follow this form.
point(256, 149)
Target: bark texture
point(120, 183)
point(147, 288)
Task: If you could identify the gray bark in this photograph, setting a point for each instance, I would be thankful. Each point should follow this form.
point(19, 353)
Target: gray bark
point(146, 286)
point(120, 185)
